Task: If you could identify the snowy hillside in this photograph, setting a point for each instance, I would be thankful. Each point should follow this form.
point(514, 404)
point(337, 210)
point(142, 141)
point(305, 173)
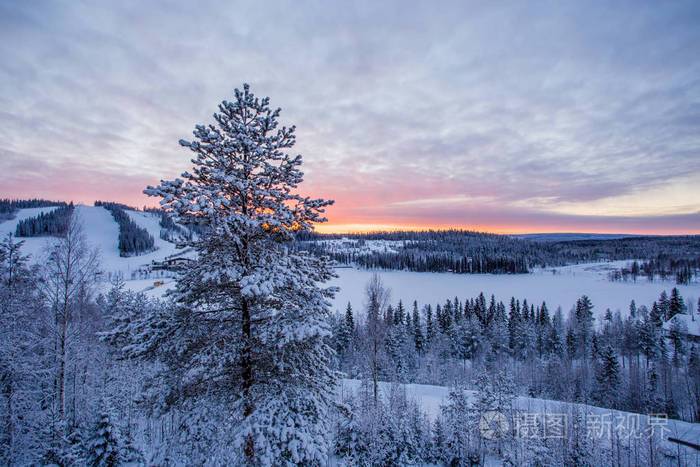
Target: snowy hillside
point(33, 246)
point(102, 232)
point(430, 398)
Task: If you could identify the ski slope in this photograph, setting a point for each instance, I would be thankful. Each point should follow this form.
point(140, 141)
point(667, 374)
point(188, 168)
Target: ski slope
point(102, 232)
point(33, 246)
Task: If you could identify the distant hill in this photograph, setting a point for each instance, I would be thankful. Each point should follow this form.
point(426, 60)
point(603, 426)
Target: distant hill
point(568, 237)
point(102, 231)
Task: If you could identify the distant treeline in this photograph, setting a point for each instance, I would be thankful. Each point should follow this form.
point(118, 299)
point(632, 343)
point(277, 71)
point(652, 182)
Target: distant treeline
point(682, 269)
point(464, 251)
point(644, 248)
point(435, 251)
point(8, 207)
point(171, 231)
point(133, 240)
point(53, 223)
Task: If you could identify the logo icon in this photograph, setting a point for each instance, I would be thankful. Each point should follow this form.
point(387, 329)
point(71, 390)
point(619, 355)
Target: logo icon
point(493, 425)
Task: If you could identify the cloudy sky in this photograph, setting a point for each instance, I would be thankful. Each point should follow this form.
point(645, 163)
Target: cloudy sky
point(510, 117)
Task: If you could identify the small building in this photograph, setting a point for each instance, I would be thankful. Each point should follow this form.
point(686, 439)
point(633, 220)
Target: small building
point(689, 324)
point(170, 264)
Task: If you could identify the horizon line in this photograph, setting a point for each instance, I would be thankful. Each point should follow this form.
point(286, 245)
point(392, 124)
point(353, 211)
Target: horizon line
point(360, 228)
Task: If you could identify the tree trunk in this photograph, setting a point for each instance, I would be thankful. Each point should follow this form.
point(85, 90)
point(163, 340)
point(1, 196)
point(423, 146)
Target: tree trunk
point(247, 374)
point(8, 435)
point(375, 369)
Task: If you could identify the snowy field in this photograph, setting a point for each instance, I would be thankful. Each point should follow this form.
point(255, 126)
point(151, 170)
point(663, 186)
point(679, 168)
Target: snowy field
point(560, 289)
point(346, 245)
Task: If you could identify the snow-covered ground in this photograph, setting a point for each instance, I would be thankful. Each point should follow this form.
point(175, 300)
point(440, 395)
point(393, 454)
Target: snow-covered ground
point(33, 246)
point(691, 323)
point(561, 288)
point(430, 398)
point(360, 247)
point(102, 232)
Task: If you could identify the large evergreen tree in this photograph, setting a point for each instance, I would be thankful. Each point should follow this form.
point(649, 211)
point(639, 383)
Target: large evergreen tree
point(248, 319)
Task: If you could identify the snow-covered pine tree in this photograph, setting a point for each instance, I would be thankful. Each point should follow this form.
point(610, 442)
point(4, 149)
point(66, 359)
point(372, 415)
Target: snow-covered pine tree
point(438, 441)
point(677, 333)
point(513, 318)
point(399, 314)
point(105, 447)
point(664, 305)
point(341, 337)
point(344, 331)
point(499, 331)
point(579, 449)
point(349, 321)
point(395, 346)
point(249, 318)
point(494, 403)
point(608, 378)
point(389, 316)
point(676, 304)
point(584, 324)
point(417, 332)
point(460, 423)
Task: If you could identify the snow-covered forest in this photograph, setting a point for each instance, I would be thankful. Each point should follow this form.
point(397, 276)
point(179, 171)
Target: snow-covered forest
point(244, 356)
point(133, 240)
point(469, 252)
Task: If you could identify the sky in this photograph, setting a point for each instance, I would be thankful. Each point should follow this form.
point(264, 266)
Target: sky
point(508, 117)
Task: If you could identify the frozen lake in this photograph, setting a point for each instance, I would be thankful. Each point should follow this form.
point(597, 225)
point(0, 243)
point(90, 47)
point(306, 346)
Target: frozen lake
point(560, 289)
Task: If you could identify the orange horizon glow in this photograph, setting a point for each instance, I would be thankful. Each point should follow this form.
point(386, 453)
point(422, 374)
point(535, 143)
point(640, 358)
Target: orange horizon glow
point(344, 217)
point(333, 228)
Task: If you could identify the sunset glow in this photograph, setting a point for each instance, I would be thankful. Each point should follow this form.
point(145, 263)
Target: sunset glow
point(424, 120)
